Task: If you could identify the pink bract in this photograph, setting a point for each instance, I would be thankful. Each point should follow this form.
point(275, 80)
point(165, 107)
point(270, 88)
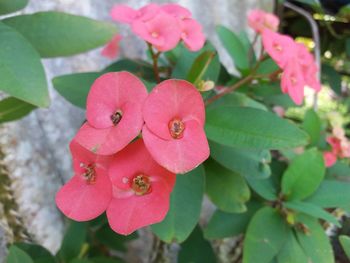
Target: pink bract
point(141, 190)
point(125, 14)
point(260, 20)
point(176, 10)
point(174, 119)
point(192, 34)
point(292, 82)
point(114, 113)
point(162, 31)
point(89, 192)
point(329, 158)
point(111, 50)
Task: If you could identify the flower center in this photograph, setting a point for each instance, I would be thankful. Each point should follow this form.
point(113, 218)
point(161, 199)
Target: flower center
point(176, 128)
point(154, 34)
point(90, 174)
point(116, 117)
point(141, 184)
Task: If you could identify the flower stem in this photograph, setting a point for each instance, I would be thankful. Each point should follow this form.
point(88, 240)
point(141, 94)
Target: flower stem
point(155, 57)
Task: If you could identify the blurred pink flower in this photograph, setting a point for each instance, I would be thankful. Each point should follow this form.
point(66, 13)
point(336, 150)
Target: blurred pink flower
point(260, 20)
point(192, 34)
point(329, 158)
point(113, 111)
point(174, 126)
point(279, 110)
point(125, 14)
point(111, 50)
point(141, 190)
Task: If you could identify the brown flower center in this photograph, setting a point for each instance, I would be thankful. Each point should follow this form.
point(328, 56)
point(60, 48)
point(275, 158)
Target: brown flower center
point(90, 174)
point(141, 184)
point(116, 117)
point(176, 128)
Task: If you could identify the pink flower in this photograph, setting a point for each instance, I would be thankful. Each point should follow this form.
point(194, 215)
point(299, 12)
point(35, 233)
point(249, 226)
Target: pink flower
point(89, 192)
point(176, 11)
point(114, 115)
point(260, 20)
point(192, 34)
point(329, 158)
point(141, 190)
point(280, 47)
point(292, 82)
point(173, 132)
point(111, 50)
point(126, 14)
point(162, 31)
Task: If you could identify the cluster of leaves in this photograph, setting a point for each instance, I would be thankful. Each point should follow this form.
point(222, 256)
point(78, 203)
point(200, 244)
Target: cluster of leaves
point(26, 39)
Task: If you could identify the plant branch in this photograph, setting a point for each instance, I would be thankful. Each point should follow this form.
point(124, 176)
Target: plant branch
point(155, 57)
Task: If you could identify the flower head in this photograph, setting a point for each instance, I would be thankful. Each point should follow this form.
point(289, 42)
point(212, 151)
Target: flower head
point(89, 192)
point(141, 189)
point(125, 14)
point(173, 132)
point(111, 50)
point(329, 158)
point(192, 34)
point(260, 20)
point(292, 82)
point(176, 10)
point(113, 111)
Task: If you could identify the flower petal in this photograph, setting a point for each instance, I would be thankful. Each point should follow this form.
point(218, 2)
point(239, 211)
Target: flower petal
point(179, 155)
point(192, 34)
point(123, 14)
point(111, 50)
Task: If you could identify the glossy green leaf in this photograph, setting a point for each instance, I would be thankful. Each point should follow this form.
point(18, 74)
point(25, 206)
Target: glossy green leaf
point(251, 128)
point(338, 170)
point(332, 77)
point(345, 242)
point(291, 252)
point(265, 236)
point(234, 47)
point(239, 100)
point(183, 215)
point(222, 224)
point(331, 194)
point(248, 163)
point(304, 175)
point(227, 190)
point(17, 255)
point(264, 187)
point(21, 72)
point(73, 241)
point(38, 253)
point(312, 210)
point(196, 249)
point(13, 109)
point(266, 67)
point(75, 87)
point(316, 244)
point(56, 34)
point(312, 125)
point(10, 6)
point(205, 67)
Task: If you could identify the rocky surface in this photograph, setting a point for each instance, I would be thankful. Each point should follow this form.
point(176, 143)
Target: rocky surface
point(36, 148)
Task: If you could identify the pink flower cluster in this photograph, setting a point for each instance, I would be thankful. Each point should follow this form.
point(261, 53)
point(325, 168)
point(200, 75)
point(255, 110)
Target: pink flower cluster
point(340, 147)
point(163, 26)
point(131, 178)
point(298, 64)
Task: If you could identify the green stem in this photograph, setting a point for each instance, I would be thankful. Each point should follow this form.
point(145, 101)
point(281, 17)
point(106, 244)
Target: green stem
point(155, 57)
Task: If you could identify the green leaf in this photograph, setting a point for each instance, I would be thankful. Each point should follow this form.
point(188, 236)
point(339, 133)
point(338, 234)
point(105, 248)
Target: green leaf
point(332, 77)
point(338, 170)
point(316, 245)
point(205, 67)
point(10, 6)
point(56, 34)
point(21, 72)
point(265, 187)
point(222, 224)
point(73, 241)
point(291, 252)
point(228, 190)
point(75, 87)
point(312, 125)
point(331, 194)
point(312, 210)
point(234, 47)
point(17, 255)
point(105, 260)
point(13, 109)
point(196, 249)
point(106, 236)
point(239, 100)
point(248, 163)
point(304, 175)
point(183, 214)
point(345, 242)
point(38, 253)
point(268, 66)
point(348, 41)
point(265, 236)
point(251, 128)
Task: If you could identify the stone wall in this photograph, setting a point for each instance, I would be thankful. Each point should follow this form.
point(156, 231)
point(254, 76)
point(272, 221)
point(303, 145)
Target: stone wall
point(36, 152)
